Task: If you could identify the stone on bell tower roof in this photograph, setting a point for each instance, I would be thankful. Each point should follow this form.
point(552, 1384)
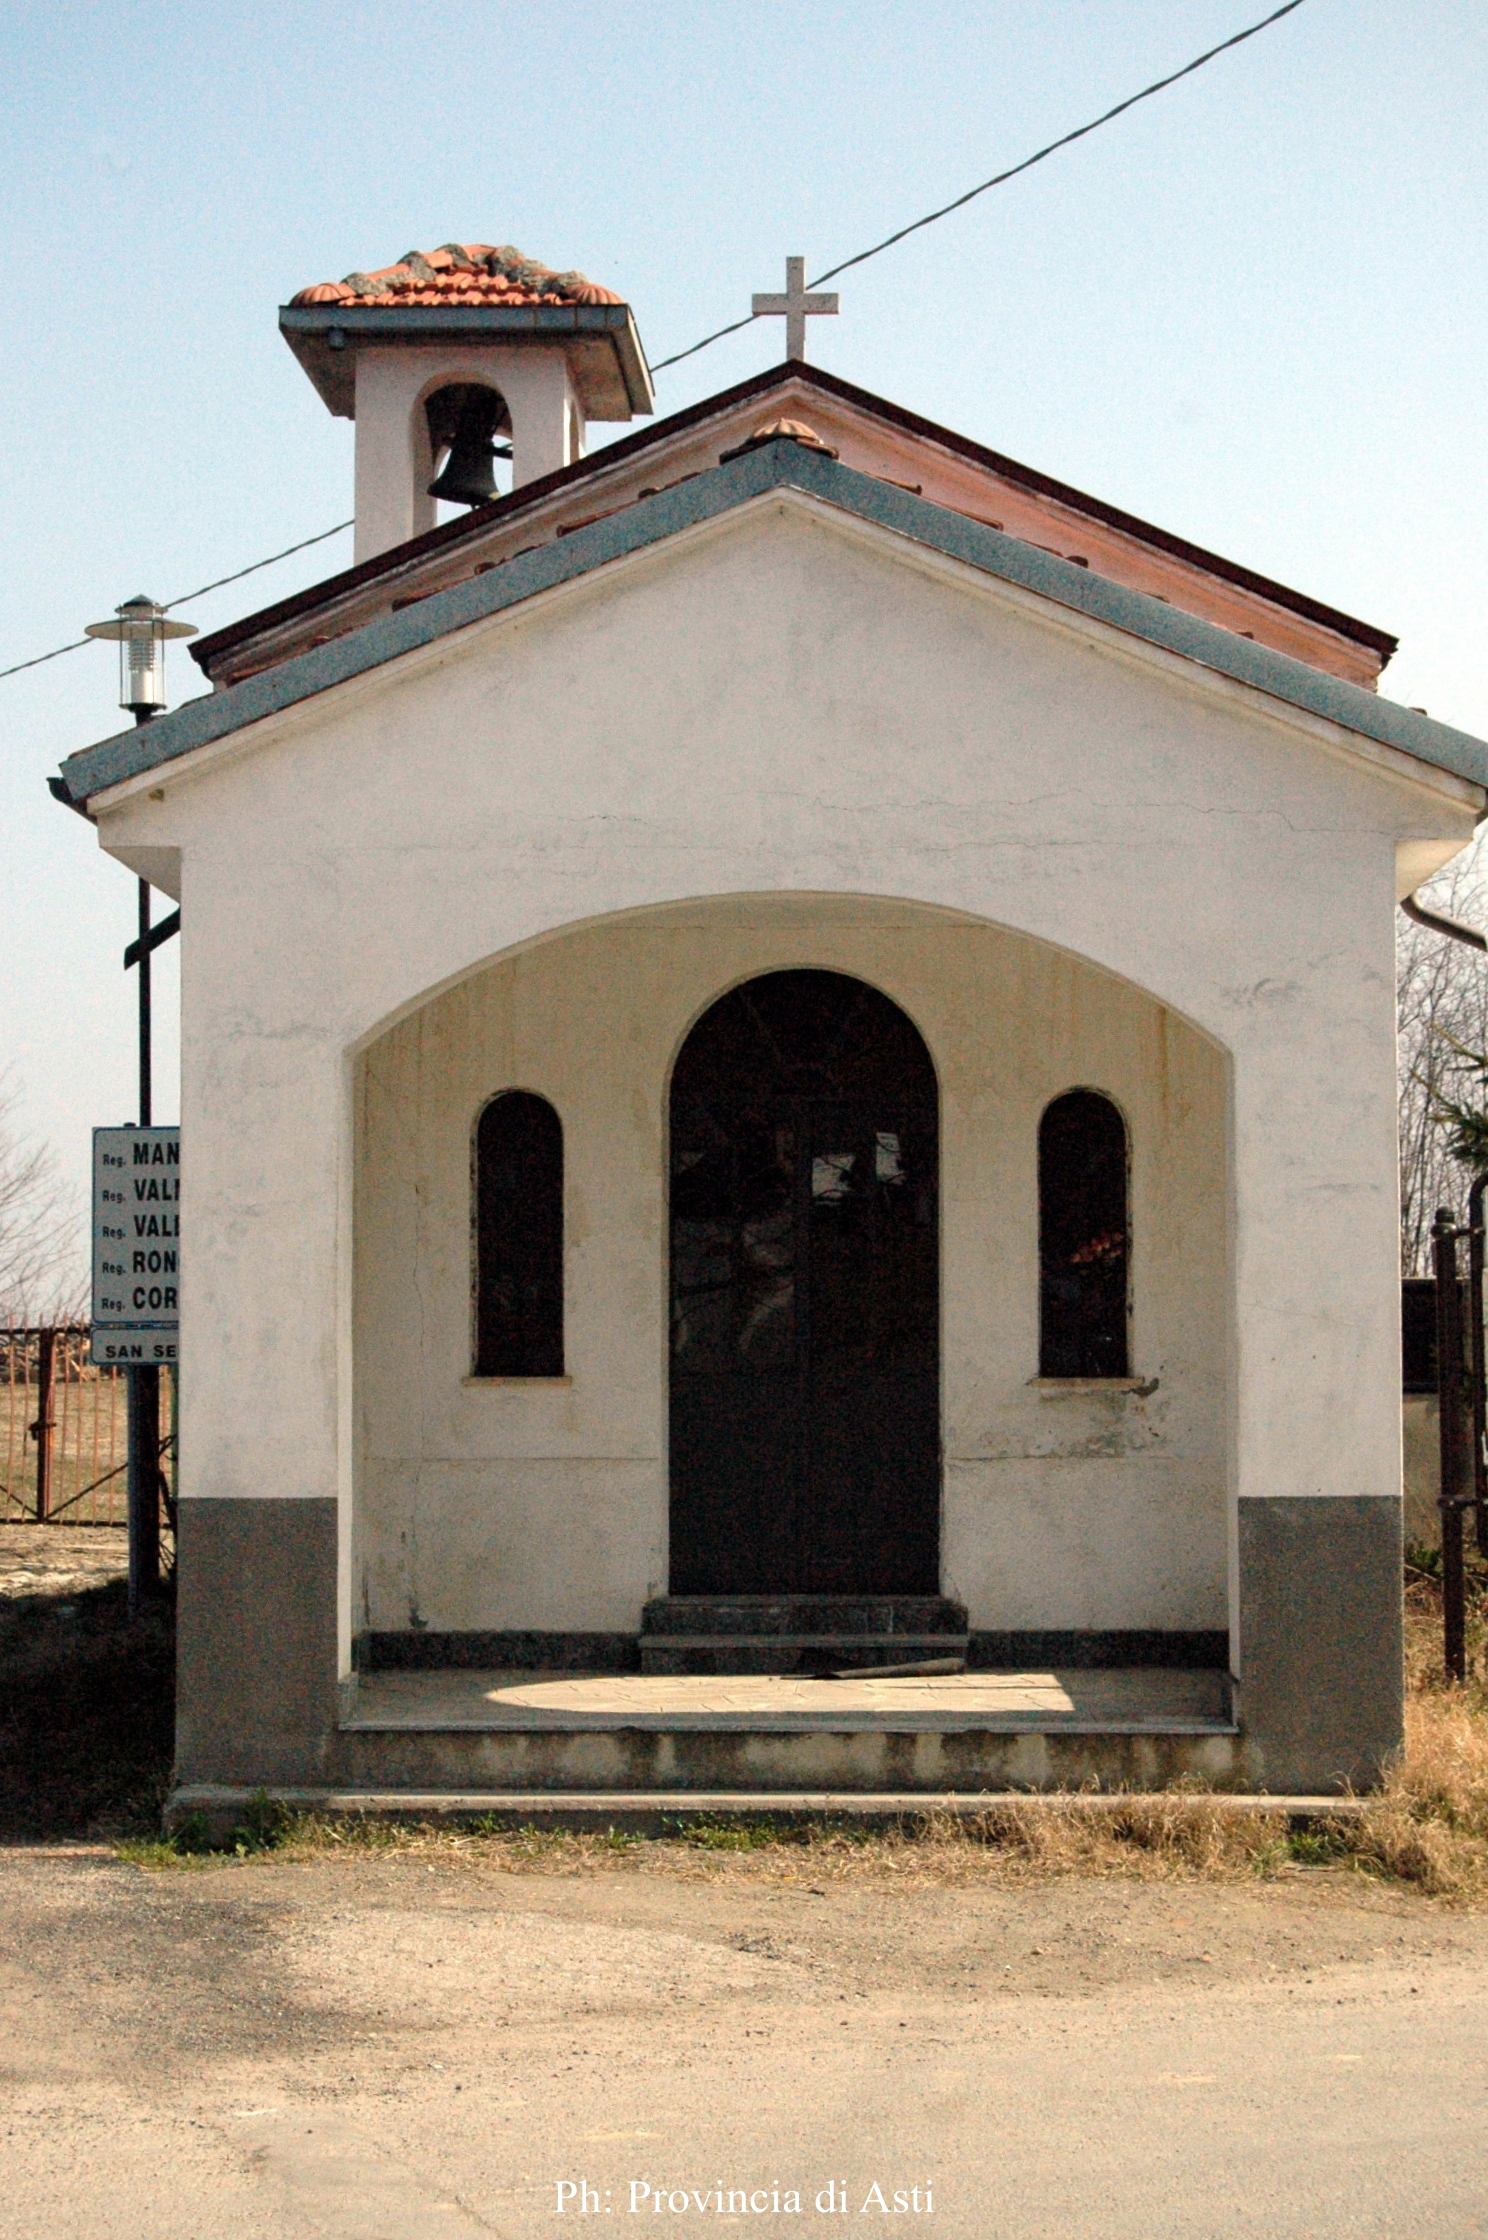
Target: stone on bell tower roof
point(468, 272)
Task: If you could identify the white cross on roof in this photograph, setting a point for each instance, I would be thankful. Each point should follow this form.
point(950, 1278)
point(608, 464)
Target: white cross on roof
point(794, 306)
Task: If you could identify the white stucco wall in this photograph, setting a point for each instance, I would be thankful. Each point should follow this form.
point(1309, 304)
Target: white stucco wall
point(788, 701)
point(486, 1504)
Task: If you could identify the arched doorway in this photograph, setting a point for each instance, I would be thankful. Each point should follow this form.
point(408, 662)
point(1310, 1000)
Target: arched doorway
point(805, 1385)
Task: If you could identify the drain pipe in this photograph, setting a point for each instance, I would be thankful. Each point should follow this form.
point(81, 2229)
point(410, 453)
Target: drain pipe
point(1434, 922)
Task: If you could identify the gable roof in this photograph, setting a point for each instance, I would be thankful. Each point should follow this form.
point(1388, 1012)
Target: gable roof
point(224, 651)
point(779, 463)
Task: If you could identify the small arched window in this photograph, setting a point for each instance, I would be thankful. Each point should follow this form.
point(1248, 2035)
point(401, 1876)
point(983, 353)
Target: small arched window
point(1084, 1238)
point(519, 1238)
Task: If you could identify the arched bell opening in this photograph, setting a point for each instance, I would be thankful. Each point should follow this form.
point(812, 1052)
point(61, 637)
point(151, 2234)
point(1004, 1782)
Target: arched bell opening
point(470, 428)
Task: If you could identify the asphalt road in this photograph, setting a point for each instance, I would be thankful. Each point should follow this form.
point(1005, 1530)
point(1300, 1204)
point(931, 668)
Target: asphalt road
point(382, 2048)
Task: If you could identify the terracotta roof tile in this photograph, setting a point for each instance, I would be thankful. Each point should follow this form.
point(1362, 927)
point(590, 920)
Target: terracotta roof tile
point(218, 646)
point(471, 272)
point(770, 431)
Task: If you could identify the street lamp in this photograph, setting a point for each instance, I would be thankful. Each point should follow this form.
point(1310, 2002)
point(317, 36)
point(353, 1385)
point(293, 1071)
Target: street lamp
point(141, 628)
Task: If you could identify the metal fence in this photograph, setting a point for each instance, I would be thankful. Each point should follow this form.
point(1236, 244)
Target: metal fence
point(64, 1431)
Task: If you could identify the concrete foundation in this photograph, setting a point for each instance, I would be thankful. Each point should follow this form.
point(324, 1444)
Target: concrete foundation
point(1318, 1708)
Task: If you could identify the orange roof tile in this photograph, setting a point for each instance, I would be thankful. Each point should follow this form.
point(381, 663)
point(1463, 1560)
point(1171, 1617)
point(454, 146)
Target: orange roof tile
point(471, 272)
point(798, 431)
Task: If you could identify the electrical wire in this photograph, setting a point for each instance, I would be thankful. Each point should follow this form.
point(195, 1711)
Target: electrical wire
point(187, 596)
point(37, 658)
point(917, 225)
point(1159, 85)
point(254, 566)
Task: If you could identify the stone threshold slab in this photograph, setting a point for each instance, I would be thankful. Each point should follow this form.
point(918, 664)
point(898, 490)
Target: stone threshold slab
point(660, 1812)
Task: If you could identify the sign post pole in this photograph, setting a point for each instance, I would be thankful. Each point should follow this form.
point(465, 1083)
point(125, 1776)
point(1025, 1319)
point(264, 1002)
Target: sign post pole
point(136, 1308)
point(144, 1486)
point(144, 1383)
point(140, 628)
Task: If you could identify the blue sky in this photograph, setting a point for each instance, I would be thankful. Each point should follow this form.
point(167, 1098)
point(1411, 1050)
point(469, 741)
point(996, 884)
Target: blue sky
point(1252, 311)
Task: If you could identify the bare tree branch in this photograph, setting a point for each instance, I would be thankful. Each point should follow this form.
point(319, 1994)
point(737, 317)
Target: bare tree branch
point(42, 1235)
point(1442, 997)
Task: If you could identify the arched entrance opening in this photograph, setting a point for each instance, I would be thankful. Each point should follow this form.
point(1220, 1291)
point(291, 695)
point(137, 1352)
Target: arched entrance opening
point(805, 1323)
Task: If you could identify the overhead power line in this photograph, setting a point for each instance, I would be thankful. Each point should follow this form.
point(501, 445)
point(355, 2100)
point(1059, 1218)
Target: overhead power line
point(37, 659)
point(254, 565)
point(186, 597)
point(917, 225)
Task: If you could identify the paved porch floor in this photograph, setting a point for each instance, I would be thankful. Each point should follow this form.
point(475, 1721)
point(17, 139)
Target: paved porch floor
point(1148, 1700)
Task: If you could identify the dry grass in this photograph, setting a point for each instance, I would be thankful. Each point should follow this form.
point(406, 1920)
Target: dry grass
point(1171, 1837)
point(1429, 1823)
point(1413, 1833)
point(1426, 1828)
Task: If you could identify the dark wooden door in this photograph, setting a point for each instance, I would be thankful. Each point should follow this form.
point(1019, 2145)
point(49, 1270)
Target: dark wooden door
point(805, 1408)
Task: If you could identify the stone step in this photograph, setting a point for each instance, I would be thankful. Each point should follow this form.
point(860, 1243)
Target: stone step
point(900, 1752)
point(662, 1812)
point(806, 1617)
point(721, 1653)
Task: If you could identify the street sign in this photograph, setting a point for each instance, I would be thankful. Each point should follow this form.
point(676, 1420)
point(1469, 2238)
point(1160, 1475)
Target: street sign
point(136, 1245)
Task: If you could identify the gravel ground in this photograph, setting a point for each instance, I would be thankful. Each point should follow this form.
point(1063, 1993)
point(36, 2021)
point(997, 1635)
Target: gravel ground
point(60, 1559)
point(375, 2046)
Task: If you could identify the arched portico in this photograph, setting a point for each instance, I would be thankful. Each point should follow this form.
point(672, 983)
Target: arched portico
point(1079, 1508)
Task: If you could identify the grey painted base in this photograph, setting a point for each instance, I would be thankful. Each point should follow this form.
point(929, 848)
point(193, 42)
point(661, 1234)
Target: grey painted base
point(1099, 1652)
point(256, 1694)
point(1322, 1682)
point(429, 1651)
point(1320, 1704)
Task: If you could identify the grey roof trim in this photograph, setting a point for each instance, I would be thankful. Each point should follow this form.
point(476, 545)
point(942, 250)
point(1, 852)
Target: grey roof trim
point(782, 464)
point(307, 329)
point(454, 318)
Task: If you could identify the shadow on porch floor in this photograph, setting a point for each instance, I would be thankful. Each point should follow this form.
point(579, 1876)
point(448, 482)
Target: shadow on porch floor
point(1147, 1700)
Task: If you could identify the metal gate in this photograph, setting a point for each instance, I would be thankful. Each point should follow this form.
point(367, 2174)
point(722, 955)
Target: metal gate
point(1462, 1387)
point(65, 1432)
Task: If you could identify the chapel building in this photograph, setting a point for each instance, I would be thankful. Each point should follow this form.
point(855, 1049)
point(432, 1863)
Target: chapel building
point(788, 1065)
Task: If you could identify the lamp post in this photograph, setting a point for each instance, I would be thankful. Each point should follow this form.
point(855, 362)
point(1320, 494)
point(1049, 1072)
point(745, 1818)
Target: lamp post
point(141, 629)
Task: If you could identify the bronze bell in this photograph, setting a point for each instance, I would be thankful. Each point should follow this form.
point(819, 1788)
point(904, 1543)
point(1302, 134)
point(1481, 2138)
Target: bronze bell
point(465, 418)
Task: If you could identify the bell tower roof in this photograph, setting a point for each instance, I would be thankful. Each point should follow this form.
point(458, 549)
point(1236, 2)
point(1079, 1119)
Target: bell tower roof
point(468, 291)
point(468, 272)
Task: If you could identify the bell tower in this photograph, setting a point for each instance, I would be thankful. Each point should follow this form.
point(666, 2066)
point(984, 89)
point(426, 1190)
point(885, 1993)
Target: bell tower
point(452, 360)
